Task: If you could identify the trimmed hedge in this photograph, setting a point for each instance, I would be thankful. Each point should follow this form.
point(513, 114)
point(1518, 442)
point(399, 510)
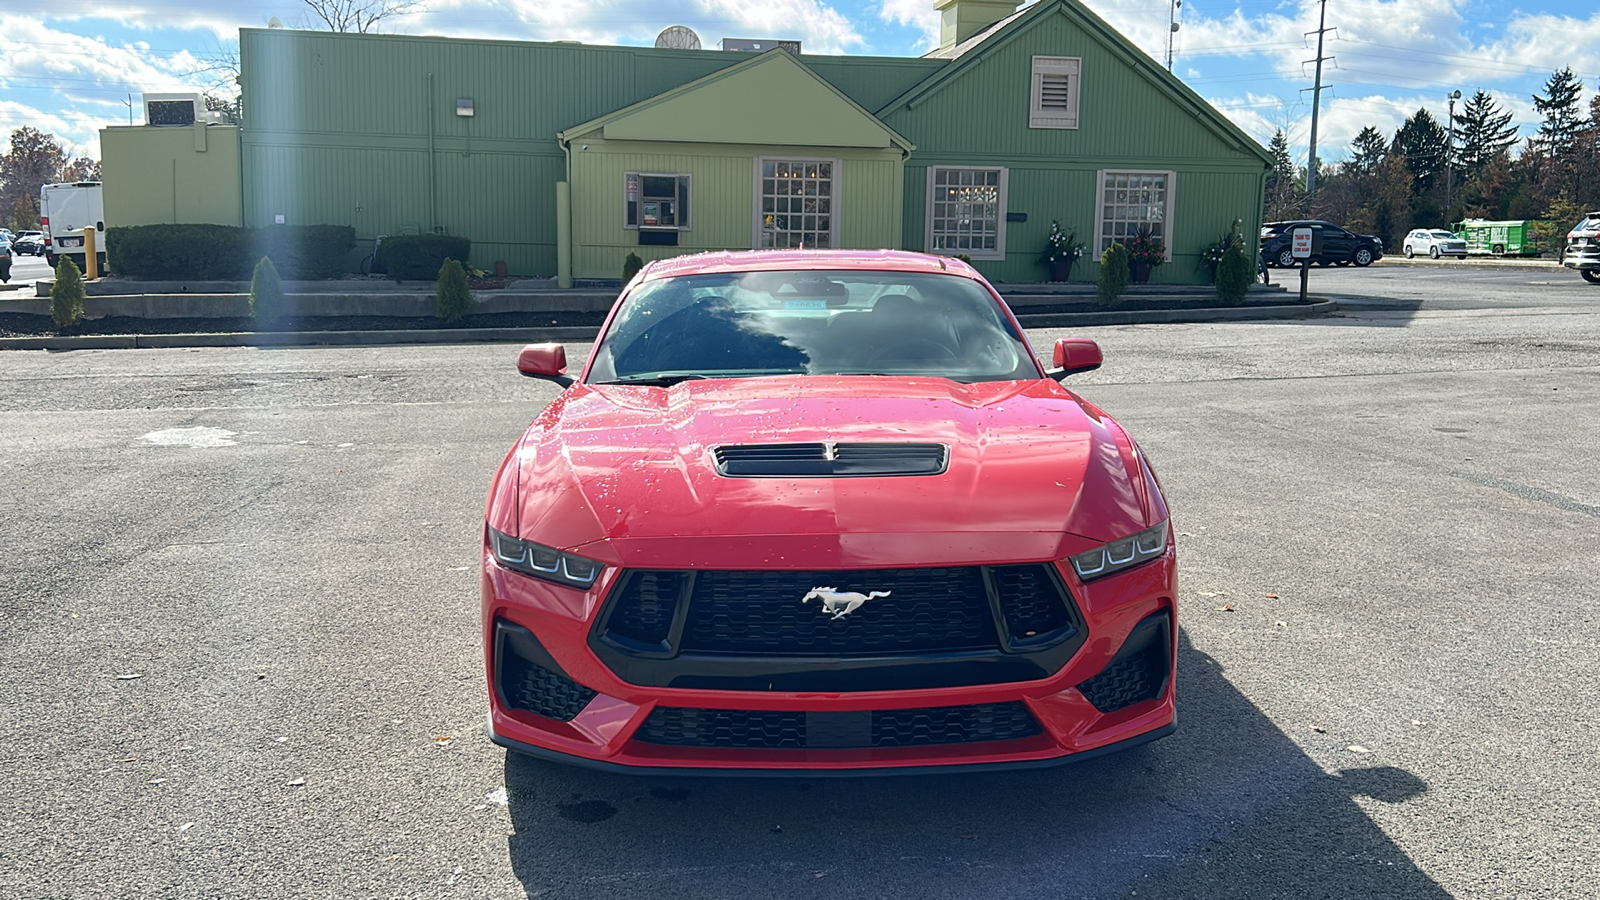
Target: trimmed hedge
point(420, 256)
point(227, 252)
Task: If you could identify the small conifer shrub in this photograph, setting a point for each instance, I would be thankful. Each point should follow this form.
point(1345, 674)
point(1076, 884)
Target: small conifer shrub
point(1114, 275)
point(454, 298)
point(266, 292)
point(66, 294)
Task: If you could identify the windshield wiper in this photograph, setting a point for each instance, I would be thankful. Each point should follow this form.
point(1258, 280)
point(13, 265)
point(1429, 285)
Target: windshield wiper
point(662, 379)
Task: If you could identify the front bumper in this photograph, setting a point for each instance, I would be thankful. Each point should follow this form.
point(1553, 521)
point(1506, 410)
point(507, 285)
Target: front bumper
point(551, 695)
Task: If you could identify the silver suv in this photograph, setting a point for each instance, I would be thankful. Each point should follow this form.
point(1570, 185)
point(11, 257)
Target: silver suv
point(1582, 250)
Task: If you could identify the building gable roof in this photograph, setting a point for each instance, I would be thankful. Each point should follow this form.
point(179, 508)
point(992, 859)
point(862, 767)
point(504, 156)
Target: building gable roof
point(772, 99)
point(984, 44)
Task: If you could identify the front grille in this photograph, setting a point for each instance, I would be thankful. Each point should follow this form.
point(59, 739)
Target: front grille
point(820, 460)
point(768, 631)
point(538, 690)
point(762, 612)
point(1137, 673)
point(767, 730)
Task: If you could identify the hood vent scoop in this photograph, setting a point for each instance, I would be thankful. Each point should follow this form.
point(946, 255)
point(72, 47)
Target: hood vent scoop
point(819, 460)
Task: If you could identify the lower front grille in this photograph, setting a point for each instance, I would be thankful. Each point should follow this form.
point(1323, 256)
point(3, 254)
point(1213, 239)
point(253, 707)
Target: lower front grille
point(769, 730)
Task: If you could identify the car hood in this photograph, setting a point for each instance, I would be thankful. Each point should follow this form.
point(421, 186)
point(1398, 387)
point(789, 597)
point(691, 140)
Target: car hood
point(626, 473)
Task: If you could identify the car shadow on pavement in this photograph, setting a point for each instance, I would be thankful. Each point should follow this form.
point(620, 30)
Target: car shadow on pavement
point(1228, 806)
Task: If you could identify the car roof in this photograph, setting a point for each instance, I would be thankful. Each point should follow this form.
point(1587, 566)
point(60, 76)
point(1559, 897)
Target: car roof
point(788, 260)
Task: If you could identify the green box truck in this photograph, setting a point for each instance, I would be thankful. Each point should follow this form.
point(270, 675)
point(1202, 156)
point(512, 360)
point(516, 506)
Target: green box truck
point(1513, 237)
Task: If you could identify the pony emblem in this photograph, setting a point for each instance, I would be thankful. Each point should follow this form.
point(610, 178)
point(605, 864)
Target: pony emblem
point(840, 605)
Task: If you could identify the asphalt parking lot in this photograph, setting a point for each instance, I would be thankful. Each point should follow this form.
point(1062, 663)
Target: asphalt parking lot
point(241, 652)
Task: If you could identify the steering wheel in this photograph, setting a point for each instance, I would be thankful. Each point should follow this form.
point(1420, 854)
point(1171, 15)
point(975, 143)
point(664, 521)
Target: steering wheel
point(917, 349)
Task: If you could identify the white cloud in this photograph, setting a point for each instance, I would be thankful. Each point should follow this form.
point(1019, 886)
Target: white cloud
point(918, 14)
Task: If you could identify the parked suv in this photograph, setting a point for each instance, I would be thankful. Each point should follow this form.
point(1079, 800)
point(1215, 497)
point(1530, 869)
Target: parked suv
point(1582, 250)
point(1435, 242)
point(1338, 245)
point(29, 242)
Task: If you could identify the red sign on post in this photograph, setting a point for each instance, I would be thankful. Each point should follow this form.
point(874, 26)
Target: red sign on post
point(1300, 247)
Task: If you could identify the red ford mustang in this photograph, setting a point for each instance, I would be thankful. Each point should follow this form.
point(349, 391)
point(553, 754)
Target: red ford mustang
point(823, 510)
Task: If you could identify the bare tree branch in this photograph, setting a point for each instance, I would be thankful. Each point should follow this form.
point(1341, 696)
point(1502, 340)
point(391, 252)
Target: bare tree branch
point(360, 16)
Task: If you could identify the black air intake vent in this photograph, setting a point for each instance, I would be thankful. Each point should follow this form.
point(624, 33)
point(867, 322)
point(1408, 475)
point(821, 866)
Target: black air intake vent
point(820, 460)
point(1138, 672)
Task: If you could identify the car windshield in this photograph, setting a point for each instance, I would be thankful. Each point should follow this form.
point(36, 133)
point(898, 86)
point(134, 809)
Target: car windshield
point(1443, 235)
point(744, 324)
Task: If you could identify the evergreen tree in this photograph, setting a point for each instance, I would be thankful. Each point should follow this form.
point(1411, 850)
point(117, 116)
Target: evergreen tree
point(1424, 145)
point(1367, 151)
point(1559, 105)
point(1280, 200)
point(1485, 132)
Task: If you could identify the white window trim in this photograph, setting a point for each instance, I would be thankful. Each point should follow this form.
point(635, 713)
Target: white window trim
point(642, 176)
point(834, 230)
point(999, 251)
point(1038, 116)
point(1100, 199)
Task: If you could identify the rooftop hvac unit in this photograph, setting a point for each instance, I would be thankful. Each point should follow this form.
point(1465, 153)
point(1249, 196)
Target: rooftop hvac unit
point(174, 109)
point(747, 45)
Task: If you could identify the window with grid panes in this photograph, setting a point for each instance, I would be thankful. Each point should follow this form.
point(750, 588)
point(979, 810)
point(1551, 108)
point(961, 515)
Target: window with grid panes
point(1130, 201)
point(796, 203)
point(967, 211)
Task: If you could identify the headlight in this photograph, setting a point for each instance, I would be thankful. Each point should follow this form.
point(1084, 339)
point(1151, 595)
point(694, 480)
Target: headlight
point(1118, 555)
point(543, 562)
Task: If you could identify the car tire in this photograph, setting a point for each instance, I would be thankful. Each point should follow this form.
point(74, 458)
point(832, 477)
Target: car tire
point(1433, 252)
point(1590, 275)
point(1286, 258)
point(1363, 256)
point(1499, 249)
point(1410, 254)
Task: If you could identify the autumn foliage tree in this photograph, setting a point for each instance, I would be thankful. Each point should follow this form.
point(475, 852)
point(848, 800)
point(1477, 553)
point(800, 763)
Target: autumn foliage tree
point(35, 159)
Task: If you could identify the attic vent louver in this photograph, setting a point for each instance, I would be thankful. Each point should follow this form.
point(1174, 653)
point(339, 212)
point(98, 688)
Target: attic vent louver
point(818, 460)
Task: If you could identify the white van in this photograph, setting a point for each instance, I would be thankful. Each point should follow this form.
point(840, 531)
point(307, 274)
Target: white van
point(65, 209)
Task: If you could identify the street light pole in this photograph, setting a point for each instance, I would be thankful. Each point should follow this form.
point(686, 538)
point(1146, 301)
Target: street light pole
point(1449, 157)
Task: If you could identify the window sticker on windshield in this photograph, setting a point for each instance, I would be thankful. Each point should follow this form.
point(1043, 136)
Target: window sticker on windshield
point(805, 304)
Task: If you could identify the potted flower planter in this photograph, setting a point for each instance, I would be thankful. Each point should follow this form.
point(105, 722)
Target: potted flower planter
point(1061, 269)
point(1139, 272)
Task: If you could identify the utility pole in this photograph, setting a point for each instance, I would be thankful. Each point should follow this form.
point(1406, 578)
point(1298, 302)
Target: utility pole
point(1316, 101)
point(1450, 156)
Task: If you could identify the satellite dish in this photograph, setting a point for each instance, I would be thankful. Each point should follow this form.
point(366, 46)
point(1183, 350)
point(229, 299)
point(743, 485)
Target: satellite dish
point(274, 22)
point(677, 37)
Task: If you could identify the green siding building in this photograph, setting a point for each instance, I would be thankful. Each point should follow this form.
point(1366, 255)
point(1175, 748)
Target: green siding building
point(560, 159)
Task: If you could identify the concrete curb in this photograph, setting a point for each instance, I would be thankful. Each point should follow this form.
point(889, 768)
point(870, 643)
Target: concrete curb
point(588, 333)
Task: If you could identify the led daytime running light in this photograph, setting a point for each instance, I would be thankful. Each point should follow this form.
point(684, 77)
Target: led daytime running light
point(1121, 554)
point(543, 562)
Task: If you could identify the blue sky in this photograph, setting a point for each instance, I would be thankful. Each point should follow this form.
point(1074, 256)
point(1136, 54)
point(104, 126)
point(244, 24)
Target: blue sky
point(71, 71)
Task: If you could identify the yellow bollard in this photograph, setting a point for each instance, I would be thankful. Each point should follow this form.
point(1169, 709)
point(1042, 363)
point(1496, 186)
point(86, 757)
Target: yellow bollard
point(91, 259)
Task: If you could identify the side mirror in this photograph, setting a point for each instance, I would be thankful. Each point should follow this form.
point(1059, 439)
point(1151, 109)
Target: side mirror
point(1074, 355)
point(547, 361)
